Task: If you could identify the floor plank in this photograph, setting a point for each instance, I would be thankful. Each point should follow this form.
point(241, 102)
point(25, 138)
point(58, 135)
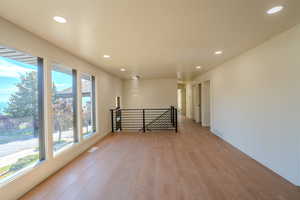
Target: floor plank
point(190, 165)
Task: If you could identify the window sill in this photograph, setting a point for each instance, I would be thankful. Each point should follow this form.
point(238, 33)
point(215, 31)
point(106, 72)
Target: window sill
point(33, 166)
point(21, 173)
point(89, 135)
point(63, 149)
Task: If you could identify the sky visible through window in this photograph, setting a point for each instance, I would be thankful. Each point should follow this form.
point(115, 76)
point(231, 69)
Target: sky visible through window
point(19, 121)
point(19, 130)
point(19, 107)
point(10, 72)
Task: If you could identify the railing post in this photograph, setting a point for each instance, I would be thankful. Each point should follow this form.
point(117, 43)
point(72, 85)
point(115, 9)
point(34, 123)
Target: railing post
point(112, 120)
point(144, 126)
point(176, 124)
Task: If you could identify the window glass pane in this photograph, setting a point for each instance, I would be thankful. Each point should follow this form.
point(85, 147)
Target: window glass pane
point(62, 105)
point(87, 105)
point(19, 118)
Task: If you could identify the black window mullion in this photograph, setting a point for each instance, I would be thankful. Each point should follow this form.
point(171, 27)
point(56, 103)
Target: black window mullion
point(75, 110)
point(41, 94)
point(94, 103)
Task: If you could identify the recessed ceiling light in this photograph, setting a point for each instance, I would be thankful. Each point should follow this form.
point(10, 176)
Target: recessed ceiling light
point(218, 52)
point(274, 10)
point(60, 19)
point(106, 56)
point(198, 67)
point(122, 69)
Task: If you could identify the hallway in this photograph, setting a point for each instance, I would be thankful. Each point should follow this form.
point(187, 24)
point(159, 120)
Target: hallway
point(192, 165)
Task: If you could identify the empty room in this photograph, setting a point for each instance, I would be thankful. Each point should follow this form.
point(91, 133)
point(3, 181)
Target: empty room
point(150, 100)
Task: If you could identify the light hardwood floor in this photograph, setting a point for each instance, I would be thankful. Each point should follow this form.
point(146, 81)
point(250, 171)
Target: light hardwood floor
point(190, 165)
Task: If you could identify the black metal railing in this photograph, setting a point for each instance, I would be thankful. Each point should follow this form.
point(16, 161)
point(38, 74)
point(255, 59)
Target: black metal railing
point(143, 120)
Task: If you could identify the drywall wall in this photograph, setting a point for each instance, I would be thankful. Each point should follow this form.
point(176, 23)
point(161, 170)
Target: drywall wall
point(107, 87)
point(156, 93)
point(255, 103)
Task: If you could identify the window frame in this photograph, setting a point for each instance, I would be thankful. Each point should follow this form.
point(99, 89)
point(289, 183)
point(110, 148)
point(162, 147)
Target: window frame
point(42, 144)
point(46, 152)
point(41, 108)
point(76, 137)
point(93, 106)
point(75, 106)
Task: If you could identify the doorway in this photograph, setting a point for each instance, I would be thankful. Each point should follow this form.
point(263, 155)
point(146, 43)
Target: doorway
point(196, 103)
point(118, 102)
point(181, 99)
point(200, 103)
point(205, 104)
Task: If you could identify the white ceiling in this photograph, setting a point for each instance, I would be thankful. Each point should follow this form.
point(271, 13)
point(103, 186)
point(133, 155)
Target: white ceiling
point(153, 38)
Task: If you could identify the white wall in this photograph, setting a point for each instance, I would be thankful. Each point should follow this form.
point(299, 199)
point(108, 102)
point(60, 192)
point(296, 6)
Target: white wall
point(156, 93)
point(107, 87)
point(256, 103)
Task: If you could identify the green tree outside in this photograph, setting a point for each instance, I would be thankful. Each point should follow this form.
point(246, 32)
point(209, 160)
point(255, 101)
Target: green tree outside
point(62, 112)
point(23, 103)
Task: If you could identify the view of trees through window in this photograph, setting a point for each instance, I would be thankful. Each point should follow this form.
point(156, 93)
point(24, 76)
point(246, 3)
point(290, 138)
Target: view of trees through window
point(87, 105)
point(62, 105)
point(19, 118)
point(22, 135)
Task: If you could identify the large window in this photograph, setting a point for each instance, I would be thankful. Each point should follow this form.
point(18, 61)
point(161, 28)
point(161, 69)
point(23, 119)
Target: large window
point(22, 134)
point(88, 105)
point(64, 107)
point(21, 112)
